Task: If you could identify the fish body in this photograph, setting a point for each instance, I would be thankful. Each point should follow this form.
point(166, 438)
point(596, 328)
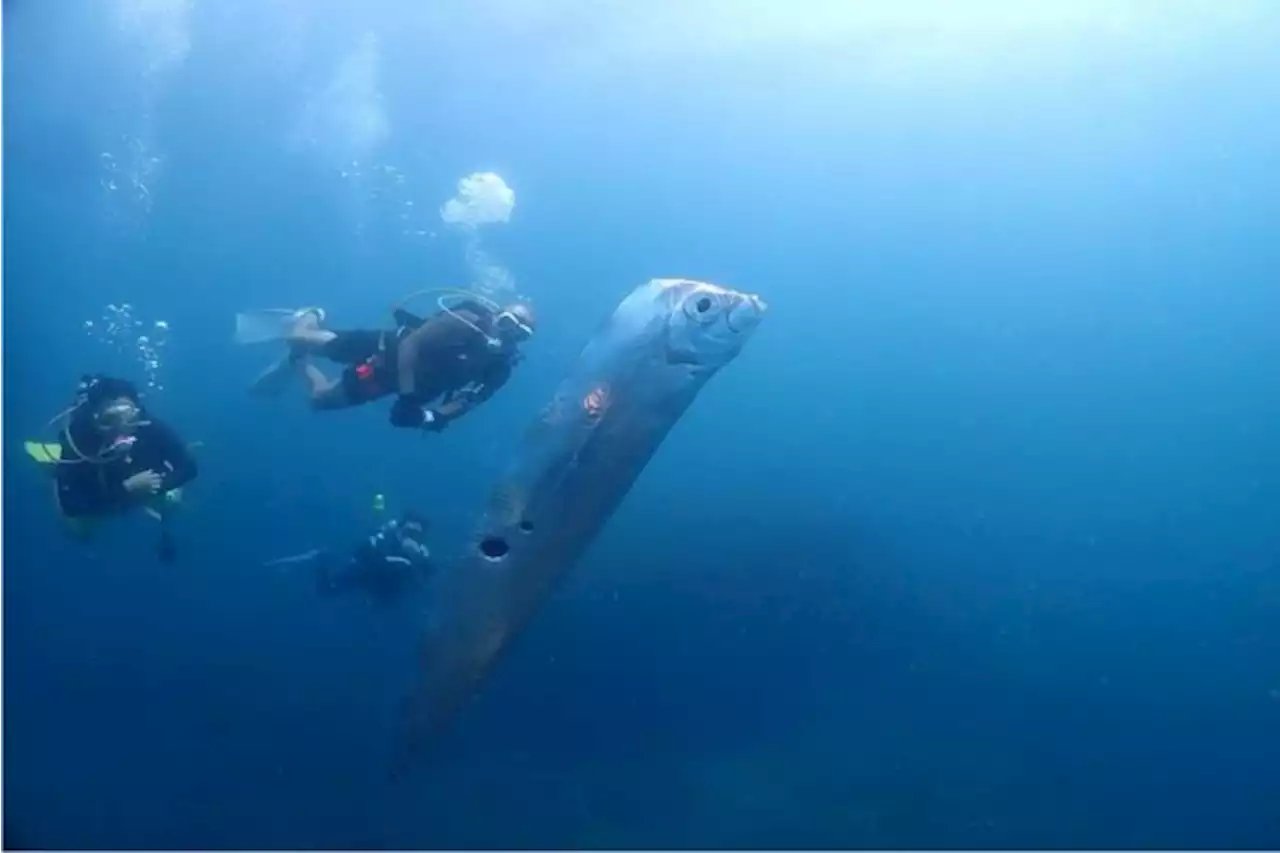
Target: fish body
point(575, 464)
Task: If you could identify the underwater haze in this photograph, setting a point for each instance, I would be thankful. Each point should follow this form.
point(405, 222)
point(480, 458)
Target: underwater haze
point(976, 544)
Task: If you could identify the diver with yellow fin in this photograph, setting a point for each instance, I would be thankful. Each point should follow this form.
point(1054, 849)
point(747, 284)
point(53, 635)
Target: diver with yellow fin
point(112, 456)
point(456, 358)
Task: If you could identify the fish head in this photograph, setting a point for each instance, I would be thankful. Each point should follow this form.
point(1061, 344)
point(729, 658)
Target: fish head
point(707, 325)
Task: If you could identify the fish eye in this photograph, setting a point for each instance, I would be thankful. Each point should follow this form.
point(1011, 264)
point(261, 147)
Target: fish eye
point(702, 308)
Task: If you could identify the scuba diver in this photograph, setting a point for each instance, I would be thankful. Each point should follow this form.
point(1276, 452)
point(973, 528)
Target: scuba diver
point(385, 566)
point(112, 456)
point(459, 356)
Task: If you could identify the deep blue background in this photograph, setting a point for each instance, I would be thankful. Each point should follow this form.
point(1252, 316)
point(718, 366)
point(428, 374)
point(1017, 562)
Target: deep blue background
point(976, 543)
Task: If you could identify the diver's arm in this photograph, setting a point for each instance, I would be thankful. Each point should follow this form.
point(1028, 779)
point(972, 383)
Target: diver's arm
point(454, 405)
point(407, 319)
point(435, 334)
point(408, 413)
point(407, 350)
point(458, 404)
point(348, 575)
point(180, 464)
point(415, 348)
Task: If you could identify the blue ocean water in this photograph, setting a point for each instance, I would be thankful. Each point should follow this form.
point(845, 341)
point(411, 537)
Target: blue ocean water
point(977, 544)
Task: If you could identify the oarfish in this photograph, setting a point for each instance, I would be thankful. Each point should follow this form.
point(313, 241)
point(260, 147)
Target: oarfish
point(576, 462)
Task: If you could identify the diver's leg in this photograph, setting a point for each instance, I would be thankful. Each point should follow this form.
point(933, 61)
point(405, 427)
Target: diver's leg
point(277, 377)
point(326, 577)
point(166, 548)
point(303, 338)
point(334, 575)
point(347, 346)
point(307, 338)
point(307, 335)
point(320, 387)
point(329, 395)
point(350, 346)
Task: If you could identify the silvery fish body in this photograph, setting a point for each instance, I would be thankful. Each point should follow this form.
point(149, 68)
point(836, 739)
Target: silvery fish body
point(577, 461)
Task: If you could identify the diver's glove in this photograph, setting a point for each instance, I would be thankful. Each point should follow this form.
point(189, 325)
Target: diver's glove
point(406, 413)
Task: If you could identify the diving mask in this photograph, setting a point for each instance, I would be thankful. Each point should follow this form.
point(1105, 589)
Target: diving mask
point(118, 416)
point(509, 324)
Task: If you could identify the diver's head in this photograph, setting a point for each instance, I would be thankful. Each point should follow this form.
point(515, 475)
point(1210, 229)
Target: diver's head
point(117, 416)
point(516, 323)
point(412, 524)
point(410, 533)
point(113, 406)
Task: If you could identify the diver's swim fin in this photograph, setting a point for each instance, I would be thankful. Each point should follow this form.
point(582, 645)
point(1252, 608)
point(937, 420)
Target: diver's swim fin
point(273, 381)
point(166, 548)
point(272, 324)
point(44, 452)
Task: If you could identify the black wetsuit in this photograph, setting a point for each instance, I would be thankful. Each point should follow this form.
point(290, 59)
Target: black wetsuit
point(96, 488)
point(451, 360)
point(380, 565)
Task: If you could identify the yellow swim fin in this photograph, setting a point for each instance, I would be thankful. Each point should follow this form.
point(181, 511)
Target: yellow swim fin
point(50, 453)
point(43, 452)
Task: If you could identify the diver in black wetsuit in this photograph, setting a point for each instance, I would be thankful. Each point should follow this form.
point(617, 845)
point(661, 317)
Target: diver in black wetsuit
point(386, 565)
point(115, 456)
point(459, 356)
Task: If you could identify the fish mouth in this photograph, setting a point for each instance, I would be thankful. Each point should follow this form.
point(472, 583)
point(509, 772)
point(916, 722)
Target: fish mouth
point(746, 315)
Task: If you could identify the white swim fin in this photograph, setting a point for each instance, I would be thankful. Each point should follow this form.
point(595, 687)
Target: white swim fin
point(304, 557)
point(273, 381)
point(272, 324)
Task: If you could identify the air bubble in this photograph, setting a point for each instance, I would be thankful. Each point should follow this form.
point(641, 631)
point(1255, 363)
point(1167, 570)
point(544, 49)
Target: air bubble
point(120, 330)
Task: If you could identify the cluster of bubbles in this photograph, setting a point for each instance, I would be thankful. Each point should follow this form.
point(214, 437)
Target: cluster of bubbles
point(346, 125)
point(127, 173)
point(483, 200)
point(488, 276)
point(386, 199)
point(123, 332)
point(154, 37)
